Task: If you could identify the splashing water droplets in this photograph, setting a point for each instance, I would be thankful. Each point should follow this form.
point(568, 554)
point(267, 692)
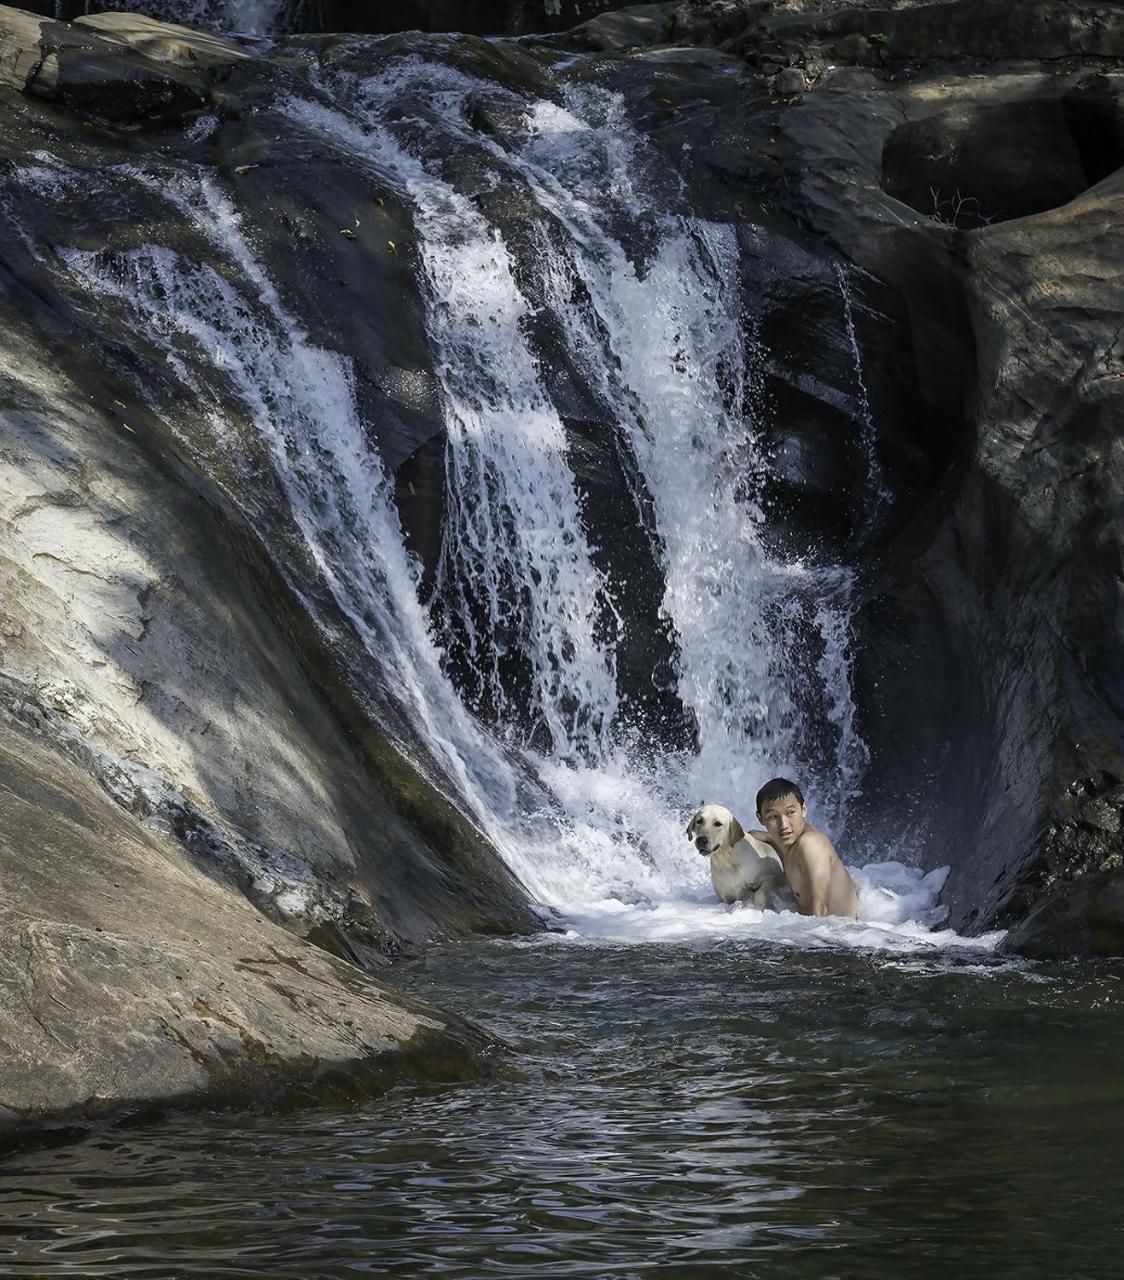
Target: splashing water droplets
point(646, 307)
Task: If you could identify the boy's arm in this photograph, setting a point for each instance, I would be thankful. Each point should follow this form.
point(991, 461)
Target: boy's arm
point(764, 837)
point(819, 855)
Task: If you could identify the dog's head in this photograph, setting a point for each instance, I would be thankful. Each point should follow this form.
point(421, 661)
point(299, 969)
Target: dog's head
point(714, 827)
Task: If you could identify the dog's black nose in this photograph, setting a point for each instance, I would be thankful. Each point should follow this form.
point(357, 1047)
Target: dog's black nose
point(701, 844)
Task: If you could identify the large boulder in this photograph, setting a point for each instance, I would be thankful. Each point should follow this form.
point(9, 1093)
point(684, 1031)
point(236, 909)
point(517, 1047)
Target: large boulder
point(81, 69)
point(148, 628)
point(133, 979)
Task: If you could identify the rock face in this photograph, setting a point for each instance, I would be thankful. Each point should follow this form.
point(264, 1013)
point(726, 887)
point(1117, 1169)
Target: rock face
point(147, 630)
point(1082, 919)
point(987, 198)
point(195, 773)
point(478, 17)
point(931, 258)
point(133, 979)
point(60, 63)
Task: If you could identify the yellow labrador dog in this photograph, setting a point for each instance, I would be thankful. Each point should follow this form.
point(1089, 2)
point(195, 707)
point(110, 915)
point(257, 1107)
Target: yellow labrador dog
point(742, 868)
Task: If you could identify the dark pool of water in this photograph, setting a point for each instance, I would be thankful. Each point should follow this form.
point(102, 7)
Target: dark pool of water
point(682, 1111)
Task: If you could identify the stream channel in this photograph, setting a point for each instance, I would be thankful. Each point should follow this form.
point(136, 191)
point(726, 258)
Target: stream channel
point(706, 1107)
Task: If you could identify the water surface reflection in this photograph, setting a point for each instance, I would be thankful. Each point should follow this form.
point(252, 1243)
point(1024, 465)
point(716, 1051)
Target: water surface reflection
point(718, 1109)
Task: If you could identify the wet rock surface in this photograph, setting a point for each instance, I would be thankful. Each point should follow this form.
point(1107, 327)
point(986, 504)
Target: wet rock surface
point(80, 68)
point(147, 627)
point(944, 386)
point(958, 167)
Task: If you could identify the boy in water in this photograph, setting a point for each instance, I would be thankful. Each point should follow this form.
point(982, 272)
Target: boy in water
point(818, 880)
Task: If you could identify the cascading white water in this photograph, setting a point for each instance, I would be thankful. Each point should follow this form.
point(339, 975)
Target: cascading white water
point(665, 346)
point(672, 351)
point(302, 403)
point(515, 567)
point(661, 338)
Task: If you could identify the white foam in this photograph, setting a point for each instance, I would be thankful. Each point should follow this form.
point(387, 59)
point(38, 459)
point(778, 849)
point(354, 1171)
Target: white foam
point(601, 843)
point(897, 910)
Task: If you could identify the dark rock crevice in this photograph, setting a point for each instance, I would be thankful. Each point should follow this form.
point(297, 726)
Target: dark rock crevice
point(975, 165)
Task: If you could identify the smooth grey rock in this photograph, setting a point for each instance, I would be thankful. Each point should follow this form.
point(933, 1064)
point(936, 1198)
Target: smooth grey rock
point(131, 978)
point(20, 54)
point(83, 71)
point(789, 82)
point(164, 41)
point(147, 629)
point(636, 26)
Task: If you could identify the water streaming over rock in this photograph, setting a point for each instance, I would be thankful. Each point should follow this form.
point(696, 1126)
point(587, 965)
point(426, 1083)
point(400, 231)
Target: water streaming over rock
point(508, 671)
point(876, 494)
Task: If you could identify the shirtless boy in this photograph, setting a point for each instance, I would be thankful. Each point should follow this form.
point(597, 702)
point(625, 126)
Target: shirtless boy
point(818, 880)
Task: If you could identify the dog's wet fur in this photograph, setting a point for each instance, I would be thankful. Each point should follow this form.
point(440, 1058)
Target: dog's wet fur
point(742, 868)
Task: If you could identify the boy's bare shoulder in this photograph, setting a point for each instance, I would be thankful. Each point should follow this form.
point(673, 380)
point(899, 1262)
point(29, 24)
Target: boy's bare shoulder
point(815, 841)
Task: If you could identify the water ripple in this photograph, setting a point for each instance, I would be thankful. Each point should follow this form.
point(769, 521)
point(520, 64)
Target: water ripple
point(679, 1112)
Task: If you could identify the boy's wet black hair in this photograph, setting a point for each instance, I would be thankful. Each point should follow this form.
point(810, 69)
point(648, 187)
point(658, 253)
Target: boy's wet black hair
point(777, 789)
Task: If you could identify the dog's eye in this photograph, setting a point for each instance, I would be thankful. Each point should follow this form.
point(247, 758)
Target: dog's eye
point(716, 823)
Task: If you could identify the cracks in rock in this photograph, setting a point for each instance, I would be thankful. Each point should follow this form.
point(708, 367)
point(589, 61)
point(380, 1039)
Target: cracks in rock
point(177, 1037)
point(144, 595)
point(205, 1010)
point(27, 991)
point(67, 498)
point(71, 567)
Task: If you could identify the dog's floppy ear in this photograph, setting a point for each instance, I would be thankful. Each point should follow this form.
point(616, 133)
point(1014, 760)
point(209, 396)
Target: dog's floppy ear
point(691, 823)
point(736, 832)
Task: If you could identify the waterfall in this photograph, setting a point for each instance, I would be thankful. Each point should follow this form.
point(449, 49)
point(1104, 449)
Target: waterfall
point(508, 672)
point(876, 495)
point(516, 571)
point(301, 402)
point(663, 344)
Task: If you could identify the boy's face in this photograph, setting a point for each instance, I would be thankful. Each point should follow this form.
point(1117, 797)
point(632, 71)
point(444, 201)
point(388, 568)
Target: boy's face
point(784, 819)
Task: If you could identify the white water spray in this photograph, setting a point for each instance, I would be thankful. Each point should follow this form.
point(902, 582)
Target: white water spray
point(661, 339)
